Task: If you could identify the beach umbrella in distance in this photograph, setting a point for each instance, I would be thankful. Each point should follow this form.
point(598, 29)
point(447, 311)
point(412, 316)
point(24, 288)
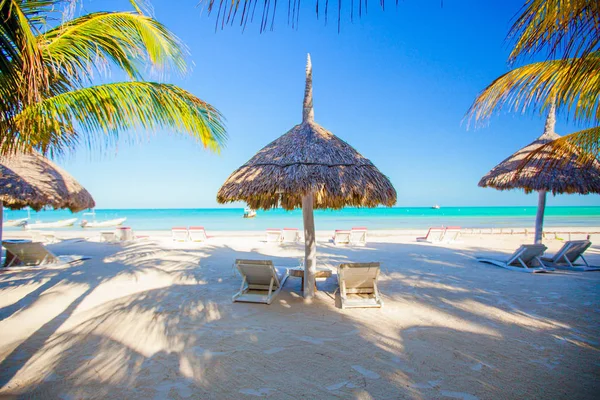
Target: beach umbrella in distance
point(568, 176)
point(308, 167)
point(31, 180)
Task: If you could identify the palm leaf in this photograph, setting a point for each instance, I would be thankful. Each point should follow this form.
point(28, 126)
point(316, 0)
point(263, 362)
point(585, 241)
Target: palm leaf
point(584, 146)
point(534, 86)
point(567, 28)
point(100, 113)
point(128, 40)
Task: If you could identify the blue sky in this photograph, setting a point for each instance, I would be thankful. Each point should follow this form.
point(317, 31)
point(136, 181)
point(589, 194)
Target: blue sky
point(395, 85)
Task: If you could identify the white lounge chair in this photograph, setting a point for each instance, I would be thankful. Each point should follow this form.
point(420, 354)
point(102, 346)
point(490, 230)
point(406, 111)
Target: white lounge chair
point(261, 281)
point(358, 236)
point(522, 259)
point(290, 235)
point(34, 253)
point(341, 237)
point(566, 257)
point(197, 234)
point(274, 235)
point(359, 279)
point(108, 236)
point(434, 235)
point(451, 234)
point(180, 234)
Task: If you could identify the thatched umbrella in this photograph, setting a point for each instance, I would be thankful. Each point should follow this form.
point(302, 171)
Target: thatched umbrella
point(308, 167)
point(33, 180)
point(569, 175)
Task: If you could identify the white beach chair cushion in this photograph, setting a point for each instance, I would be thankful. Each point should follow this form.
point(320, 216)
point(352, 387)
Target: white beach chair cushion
point(341, 237)
point(35, 253)
point(360, 279)
point(522, 259)
point(434, 235)
point(358, 236)
point(197, 234)
point(568, 255)
point(261, 281)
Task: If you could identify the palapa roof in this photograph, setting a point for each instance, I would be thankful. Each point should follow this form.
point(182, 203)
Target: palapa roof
point(308, 158)
point(569, 176)
point(33, 180)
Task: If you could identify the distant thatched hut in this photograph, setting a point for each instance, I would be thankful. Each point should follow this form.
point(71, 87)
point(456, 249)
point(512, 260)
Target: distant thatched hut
point(33, 180)
point(570, 175)
point(308, 167)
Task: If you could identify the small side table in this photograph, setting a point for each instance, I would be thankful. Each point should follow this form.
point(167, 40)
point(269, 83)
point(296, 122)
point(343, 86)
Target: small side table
point(299, 272)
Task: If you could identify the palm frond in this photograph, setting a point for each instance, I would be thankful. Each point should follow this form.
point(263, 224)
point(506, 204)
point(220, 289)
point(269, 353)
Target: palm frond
point(584, 146)
point(534, 86)
point(98, 114)
point(243, 11)
point(567, 28)
point(128, 40)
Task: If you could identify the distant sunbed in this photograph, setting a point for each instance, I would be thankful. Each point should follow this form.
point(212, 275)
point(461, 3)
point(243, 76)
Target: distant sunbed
point(434, 235)
point(568, 254)
point(35, 253)
point(180, 234)
point(341, 237)
point(261, 281)
point(359, 279)
point(522, 259)
point(197, 234)
point(451, 234)
point(358, 236)
point(274, 235)
point(290, 235)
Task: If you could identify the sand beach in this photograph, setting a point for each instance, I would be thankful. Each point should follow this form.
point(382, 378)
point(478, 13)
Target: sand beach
point(154, 319)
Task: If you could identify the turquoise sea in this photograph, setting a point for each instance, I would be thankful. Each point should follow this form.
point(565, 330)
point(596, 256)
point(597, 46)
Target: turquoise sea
point(230, 219)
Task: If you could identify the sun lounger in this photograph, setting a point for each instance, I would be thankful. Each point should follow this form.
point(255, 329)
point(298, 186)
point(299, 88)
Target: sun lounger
point(341, 237)
point(290, 235)
point(522, 259)
point(274, 235)
point(197, 234)
point(566, 257)
point(261, 281)
point(180, 234)
point(359, 279)
point(108, 236)
point(34, 253)
point(358, 236)
point(451, 234)
point(434, 235)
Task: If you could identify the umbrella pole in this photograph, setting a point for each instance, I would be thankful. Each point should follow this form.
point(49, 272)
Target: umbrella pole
point(539, 218)
point(1, 224)
point(310, 247)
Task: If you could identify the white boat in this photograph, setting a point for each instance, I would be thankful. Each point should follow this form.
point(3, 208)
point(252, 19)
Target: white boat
point(436, 207)
point(102, 224)
point(249, 213)
point(56, 224)
point(15, 222)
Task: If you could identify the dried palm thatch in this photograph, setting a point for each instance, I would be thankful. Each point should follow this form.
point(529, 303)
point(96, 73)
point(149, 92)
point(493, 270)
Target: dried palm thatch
point(526, 169)
point(519, 170)
point(308, 158)
point(33, 180)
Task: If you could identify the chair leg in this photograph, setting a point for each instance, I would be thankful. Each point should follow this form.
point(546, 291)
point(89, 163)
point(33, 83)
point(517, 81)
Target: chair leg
point(270, 291)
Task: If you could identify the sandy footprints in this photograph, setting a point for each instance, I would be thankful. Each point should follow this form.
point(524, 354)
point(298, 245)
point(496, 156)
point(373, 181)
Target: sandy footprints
point(262, 392)
point(360, 381)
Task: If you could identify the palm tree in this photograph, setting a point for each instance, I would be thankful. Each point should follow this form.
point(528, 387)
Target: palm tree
point(570, 31)
point(47, 98)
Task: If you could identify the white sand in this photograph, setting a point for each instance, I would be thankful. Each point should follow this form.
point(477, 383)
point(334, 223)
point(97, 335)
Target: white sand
point(154, 319)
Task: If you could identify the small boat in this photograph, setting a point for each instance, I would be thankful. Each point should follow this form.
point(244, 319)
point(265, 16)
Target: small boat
point(56, 224)
point(15, 222)
point(249, 213)
point(436, 207)
point(102, 224)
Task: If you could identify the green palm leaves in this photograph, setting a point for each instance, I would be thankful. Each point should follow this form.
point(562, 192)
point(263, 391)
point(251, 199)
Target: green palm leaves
point(569, 29)
point(48, 106)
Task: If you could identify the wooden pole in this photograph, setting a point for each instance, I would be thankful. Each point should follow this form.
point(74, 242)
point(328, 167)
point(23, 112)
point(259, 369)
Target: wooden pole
point(539, 218)
point(310, 246)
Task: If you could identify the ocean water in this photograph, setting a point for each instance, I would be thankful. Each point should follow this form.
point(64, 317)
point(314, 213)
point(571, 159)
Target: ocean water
point(230, 219)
